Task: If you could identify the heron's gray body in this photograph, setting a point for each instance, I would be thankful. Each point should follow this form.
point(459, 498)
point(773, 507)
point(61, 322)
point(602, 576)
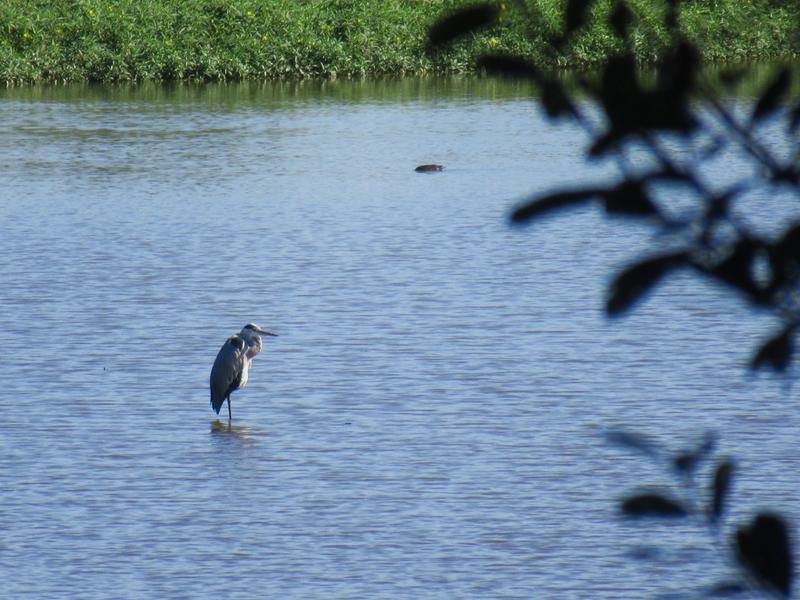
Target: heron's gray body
point(230, 371)
point(232, 366)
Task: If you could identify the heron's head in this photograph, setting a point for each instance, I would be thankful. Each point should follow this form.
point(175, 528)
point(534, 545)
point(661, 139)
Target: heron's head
point(255, 328)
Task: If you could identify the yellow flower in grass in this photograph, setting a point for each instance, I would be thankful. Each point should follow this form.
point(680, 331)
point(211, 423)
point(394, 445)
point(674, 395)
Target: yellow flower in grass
point(26, 36)
point(492, 41)
point(90, 12)
point(504, 6)
point(265, 37)
point(249, 13)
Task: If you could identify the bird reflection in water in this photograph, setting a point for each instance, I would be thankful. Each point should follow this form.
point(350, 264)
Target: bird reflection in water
point(242, 432)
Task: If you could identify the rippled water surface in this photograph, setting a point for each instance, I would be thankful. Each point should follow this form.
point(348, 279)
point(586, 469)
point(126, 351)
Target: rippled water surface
point(429, 422)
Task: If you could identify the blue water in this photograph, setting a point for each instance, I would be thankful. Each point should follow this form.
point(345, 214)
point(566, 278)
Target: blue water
point(429, 422)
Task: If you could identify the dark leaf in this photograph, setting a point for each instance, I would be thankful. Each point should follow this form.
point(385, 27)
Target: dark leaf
point(787, 248)
point(620, 95)
point(508, 66)
point(467, 20)
point(631, 110)
point(668, 110)
point(787, 174)
point(576, 14)
point(731, 77)
point(736, 268)
point(630, 285)
point(670, 113)
point(605, 143)
point(719, 487)
point(551, 202)
point(794, 118)
point(634, 441)
point(620, 73)
point(686, 462)
point(621, 18)
point(619, 89)
point(763, 547)
point(773, 94)
point(718, 206)
point(725, 589)
point(776, 352)
point(651, 111)
point(652, 505)
point(679, 70)
point(554, 100)
point(629, 198)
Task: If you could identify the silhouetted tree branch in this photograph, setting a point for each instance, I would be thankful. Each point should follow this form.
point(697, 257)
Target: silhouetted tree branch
point(708, 239)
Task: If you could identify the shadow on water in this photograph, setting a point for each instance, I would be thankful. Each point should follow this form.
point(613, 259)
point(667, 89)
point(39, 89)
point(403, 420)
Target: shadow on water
point(241, 432)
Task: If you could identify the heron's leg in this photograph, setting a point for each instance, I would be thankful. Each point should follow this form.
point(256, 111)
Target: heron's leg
point(229, 408)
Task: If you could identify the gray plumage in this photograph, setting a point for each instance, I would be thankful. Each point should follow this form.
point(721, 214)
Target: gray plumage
point(232, 365)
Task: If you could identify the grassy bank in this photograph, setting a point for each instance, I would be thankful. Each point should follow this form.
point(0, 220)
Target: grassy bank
point(139, 40)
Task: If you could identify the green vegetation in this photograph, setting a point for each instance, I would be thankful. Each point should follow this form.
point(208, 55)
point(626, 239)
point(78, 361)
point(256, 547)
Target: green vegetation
point(197, 40)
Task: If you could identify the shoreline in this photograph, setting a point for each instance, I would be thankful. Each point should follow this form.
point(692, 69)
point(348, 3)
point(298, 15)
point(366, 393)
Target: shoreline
point(261, 40)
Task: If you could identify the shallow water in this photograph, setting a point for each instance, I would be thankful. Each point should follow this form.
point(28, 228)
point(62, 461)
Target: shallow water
point(429, 422)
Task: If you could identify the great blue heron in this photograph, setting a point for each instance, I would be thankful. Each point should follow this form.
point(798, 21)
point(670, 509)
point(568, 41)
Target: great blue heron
point(232, 364)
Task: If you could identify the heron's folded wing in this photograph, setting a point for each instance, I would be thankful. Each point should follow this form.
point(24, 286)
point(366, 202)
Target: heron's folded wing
point(225, 374)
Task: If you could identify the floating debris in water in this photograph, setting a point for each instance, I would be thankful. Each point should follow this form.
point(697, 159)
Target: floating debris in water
point(429, 168)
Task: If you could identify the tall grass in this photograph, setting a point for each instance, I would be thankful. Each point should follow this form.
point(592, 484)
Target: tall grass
point(190, 40)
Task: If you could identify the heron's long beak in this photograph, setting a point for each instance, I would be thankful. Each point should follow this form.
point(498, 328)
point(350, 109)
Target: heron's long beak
point(265, 331)
point(257, 329)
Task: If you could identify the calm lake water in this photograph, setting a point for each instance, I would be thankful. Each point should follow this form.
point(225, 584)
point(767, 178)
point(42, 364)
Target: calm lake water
point(429, 424)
